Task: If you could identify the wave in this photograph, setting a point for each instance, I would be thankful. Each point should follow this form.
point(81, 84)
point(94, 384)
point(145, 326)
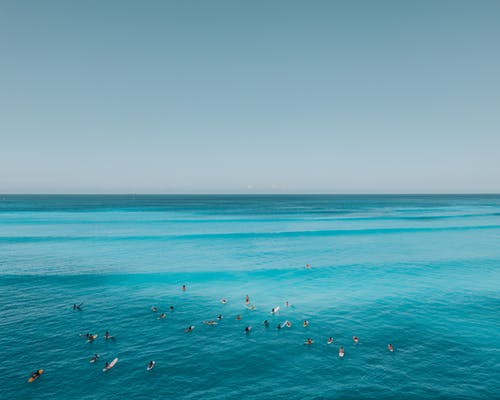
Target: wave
point(244, 235)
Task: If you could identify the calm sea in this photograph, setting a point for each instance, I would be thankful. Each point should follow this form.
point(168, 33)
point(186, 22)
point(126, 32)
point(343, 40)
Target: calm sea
point(420, 272)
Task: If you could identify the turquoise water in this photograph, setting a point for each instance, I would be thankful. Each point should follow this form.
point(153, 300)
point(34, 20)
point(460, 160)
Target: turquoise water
point(420, 272)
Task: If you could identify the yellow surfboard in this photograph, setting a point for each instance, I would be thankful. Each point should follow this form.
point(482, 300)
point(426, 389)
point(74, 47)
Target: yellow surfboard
point(31, 379)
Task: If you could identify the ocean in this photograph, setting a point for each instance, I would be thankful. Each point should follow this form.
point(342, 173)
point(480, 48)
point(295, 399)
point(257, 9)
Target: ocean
point(419, 272)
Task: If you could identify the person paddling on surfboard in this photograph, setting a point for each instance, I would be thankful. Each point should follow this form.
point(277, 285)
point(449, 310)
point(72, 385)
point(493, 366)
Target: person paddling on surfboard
point(151, 365)
point(36, 375)
point(94, 359)
point(390, 348)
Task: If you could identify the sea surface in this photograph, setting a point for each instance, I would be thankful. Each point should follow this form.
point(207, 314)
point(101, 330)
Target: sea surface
point(419, 272)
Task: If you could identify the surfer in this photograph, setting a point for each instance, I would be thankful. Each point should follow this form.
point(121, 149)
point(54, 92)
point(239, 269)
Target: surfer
point(151, 365)
point(106, 365)
point(154, 309)
point(162, 315)
point(247, 299)
point(248, 329)
point(275, 310)
point(341, 352)
point(390, 348)
point(286, 304)
point(355, 339)
point(91, 337)
point(107, 336)
point(36, 375)
point(94, 359)
point(77, 306)
point(306, 323)
point(308, 266)
point(309, 341)
point(219, 317)
point(189, 328)
point(266, 323)
point(279, 326)
point(171, 308)
point(183, 288)
point(223, 301)
point(238, 317)
point(329, 341)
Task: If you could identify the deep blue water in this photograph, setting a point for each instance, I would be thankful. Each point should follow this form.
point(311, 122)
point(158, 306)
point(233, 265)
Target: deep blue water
point(420, 272)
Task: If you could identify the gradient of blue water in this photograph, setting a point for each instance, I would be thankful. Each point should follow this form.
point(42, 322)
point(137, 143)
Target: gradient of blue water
point(421, 272)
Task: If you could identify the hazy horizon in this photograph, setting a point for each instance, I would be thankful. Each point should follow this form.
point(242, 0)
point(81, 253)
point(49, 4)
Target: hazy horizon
point(234, 97)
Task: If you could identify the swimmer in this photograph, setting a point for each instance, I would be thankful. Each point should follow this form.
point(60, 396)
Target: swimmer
point(35, 375)
point(162, 315)
point(189, 328)
point(329, 341)
point(248, 329)
point(355, 339)
point(341, 352)
point(219, 317)
point(306, 323)
point(247, 299)
point(183, 288)
point(238, 317)
point(223, 301)
point(390, 348)
point(266, 323)
point(154, 309)
point(308, 341)
point(94, 359)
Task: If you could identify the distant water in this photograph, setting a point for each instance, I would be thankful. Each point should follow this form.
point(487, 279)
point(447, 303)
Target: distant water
point(420, 272)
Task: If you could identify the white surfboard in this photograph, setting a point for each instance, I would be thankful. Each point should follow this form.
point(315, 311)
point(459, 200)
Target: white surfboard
point(110, 365)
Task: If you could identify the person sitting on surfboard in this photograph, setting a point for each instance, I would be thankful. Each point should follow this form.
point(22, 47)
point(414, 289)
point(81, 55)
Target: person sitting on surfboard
point(189, 328)
point(94, 359)
point(306, 322)
point(106, 365)
point(390, 348)
point(151, 365)
point(330, 340)
point(309, 341)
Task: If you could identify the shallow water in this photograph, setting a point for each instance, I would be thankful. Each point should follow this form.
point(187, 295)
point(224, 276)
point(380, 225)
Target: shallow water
point(420, 272)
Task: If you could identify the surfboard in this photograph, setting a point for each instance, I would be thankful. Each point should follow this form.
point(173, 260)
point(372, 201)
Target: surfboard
point(31, 379)
point(110, 365)
point(93, 338)
point(149, 368)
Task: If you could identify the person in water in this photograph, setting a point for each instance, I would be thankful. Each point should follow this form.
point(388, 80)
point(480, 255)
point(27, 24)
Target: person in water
point(151, 364)
point(219, 317)
point(77, 306)
point(183, 288)
point(238, 317)
point(106, 365)
point(36, 375)
point(308, 266)
point(94, 359)
point(390, 348)
point(171, 308)
point(248, 329)
point(306, 323)
point(162, 315)
point(330, 340)
point(266, 323)
point(91, 337)
point(279, 326)
point(247, 299)
point(154, 309)
point(355, 339)
point(107, 336)
point(341, 351)
point(189, 328)
point(309, 341)
point(223, 301)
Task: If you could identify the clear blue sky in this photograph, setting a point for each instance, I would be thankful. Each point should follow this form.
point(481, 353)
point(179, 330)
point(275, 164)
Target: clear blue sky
point(249, 96)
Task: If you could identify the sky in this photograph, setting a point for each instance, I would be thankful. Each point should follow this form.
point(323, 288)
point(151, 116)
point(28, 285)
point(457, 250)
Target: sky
point(249, 96)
